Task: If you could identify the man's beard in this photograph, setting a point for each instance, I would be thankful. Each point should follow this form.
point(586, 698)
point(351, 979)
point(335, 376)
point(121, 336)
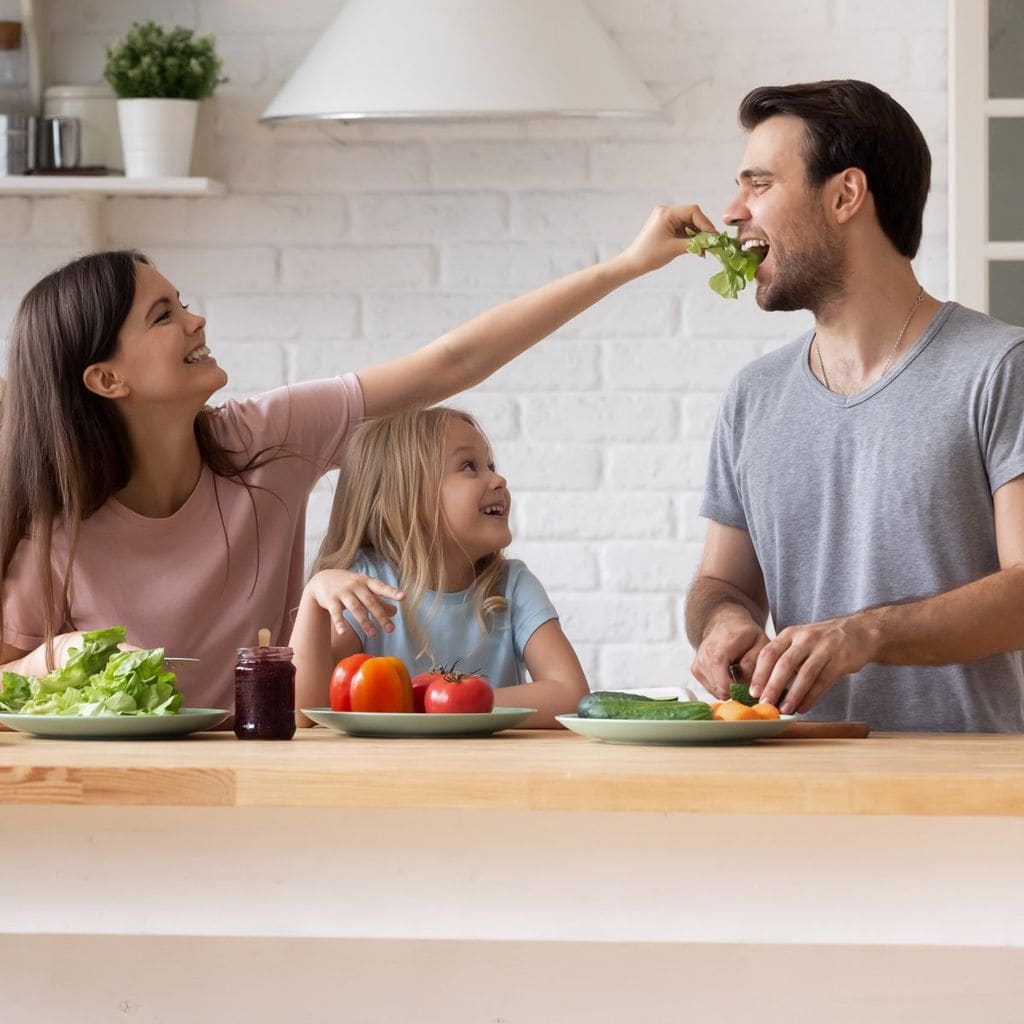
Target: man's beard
point(809, 279)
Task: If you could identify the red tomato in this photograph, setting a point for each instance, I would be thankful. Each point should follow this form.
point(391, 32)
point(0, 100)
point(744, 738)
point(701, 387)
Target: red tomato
point(457, 693)
point(419, 688)
point(341, 681)
point(381, 684)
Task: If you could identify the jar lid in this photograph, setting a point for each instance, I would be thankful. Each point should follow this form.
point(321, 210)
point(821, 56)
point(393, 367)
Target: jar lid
point(73, 92)
point(10, 35)
point(270, 653)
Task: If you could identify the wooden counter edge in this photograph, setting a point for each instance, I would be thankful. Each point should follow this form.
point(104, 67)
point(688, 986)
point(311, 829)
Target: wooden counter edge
point(976, 778)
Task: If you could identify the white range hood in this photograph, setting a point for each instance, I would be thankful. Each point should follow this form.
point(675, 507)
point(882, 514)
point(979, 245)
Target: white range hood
point(458, 59)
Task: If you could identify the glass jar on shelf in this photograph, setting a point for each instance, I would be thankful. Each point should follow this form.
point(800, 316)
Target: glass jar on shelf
point(14, 77)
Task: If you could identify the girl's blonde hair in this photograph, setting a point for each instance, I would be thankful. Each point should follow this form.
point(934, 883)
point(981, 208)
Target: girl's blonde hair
point(389, 502)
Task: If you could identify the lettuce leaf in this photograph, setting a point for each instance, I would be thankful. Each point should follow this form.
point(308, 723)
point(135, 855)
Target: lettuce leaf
point(14, 691)
point(98, 679)
point(738, 266)
point(96, 648)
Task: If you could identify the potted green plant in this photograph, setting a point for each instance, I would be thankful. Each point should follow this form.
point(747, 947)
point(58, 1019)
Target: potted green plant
point(160, 75)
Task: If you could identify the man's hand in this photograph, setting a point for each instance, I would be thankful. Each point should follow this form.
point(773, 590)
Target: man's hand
point(807, 660)
point(732, 637)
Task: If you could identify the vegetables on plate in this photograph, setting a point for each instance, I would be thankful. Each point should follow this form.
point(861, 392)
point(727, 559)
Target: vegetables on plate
point(738, 265)
point(97, 680)
point(362, 682)
point(638, 706)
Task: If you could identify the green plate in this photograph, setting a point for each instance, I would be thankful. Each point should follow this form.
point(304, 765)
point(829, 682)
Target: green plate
point(624, 730)
point(403, 726)
point(116, 727)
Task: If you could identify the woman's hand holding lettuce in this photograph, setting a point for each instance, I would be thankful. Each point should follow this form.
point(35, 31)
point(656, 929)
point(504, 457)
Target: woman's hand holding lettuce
point(97, 679)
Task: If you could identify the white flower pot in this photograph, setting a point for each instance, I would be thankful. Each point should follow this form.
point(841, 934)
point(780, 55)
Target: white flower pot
point(156, 137)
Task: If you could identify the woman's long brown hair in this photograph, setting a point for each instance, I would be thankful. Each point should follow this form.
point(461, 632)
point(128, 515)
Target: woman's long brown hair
point(64, 449)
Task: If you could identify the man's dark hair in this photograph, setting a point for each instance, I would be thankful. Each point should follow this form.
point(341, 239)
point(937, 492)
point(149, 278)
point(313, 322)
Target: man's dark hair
point(853, 124)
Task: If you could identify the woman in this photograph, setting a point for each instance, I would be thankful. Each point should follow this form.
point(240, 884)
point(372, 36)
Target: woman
point(125, 499)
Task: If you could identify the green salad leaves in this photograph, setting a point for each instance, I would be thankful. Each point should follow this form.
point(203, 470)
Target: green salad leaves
point(97, 679)
point(738, 265)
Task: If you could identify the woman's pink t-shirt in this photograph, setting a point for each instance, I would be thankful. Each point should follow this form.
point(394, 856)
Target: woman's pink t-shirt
point(187, 583)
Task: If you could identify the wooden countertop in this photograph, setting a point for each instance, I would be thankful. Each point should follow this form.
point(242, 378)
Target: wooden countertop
point(913, 774)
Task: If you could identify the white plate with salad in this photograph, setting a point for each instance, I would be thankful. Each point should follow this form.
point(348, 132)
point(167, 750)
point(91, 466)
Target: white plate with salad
point(102, 692)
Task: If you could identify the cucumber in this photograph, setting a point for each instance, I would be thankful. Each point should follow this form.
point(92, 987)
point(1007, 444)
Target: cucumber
point(613, 705)
point(740, 691)
point(583, 707)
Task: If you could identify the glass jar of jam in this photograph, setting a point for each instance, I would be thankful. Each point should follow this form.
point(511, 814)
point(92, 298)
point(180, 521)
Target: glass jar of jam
point(264, 694)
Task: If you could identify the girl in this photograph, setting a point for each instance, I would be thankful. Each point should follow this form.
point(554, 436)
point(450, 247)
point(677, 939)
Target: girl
point(424, 510)
point(125, 499)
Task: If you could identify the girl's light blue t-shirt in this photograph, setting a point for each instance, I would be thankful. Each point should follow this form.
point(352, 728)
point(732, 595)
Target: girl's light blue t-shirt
point(453, 631)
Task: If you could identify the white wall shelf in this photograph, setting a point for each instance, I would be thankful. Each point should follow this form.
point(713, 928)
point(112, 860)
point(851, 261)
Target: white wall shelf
point(102, 185)
point(92, 192)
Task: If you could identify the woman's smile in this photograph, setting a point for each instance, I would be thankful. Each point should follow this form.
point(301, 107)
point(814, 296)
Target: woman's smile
point(200, 354)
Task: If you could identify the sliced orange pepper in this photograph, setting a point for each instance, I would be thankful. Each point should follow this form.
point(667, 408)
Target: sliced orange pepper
point(732, 711)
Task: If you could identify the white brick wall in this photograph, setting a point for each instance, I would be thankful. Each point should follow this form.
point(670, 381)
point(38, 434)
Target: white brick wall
point(338, 246)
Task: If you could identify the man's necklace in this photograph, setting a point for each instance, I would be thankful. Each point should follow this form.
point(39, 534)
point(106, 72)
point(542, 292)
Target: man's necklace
point(892, 353)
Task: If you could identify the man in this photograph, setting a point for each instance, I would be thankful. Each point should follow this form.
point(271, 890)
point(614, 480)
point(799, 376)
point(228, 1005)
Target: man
point(865, 483)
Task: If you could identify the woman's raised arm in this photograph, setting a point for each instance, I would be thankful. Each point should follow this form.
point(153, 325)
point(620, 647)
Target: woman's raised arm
point(471, 352)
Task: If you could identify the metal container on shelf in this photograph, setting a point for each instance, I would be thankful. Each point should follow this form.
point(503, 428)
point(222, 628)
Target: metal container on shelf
point(58, 144)
point(95, 107)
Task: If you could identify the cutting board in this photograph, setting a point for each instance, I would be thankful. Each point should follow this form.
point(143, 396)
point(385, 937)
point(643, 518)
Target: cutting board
point(824, 731)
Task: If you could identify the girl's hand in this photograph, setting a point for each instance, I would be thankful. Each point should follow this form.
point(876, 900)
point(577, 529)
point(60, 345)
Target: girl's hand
point(339, 590)
point(665, 236)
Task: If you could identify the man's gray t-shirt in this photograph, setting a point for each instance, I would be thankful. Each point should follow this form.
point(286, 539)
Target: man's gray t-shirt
point(880, 497)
